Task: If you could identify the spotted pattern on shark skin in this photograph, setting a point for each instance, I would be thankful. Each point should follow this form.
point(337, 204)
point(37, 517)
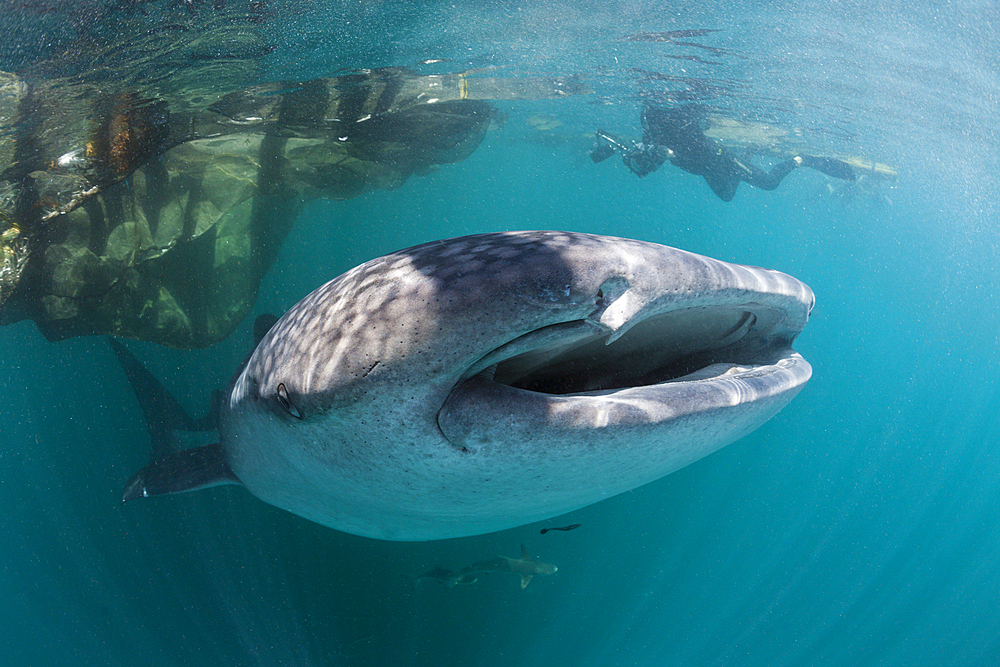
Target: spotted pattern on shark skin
point(388, 289)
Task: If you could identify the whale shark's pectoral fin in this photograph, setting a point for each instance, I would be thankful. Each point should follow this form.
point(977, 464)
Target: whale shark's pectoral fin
point(186, 470)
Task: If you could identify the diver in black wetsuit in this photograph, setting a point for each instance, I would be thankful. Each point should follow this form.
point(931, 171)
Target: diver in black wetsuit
point(676, 134)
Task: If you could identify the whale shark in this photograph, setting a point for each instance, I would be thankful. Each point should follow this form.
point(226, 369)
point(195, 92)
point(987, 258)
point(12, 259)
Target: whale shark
point(470, 385)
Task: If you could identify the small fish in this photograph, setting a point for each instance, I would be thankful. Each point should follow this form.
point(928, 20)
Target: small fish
point(524, 566)
point(447, 577)
point(572, 526)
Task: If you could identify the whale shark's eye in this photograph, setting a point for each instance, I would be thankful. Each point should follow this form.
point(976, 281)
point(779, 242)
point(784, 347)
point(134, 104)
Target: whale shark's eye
point(286, 402)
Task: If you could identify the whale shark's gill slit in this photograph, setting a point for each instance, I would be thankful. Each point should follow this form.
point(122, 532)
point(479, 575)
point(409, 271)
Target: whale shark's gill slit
point(658, 349)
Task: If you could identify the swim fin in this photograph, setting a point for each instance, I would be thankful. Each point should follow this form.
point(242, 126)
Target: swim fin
point(830, 166)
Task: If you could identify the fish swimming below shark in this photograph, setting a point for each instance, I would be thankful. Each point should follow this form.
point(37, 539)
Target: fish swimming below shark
point(470, 385)
point(524, 566)
point(565, 529)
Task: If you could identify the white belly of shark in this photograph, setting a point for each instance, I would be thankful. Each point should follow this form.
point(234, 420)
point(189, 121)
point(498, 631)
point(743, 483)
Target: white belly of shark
point(475, 384)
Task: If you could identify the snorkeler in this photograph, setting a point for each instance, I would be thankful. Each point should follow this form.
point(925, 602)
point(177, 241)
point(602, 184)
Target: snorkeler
point(676, 134)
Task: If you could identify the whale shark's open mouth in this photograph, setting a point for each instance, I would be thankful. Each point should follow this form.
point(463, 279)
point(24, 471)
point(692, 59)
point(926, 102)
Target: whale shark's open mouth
point(567, 380)
point(576, 357)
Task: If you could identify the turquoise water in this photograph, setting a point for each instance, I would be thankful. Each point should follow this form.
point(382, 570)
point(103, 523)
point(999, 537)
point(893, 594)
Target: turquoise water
point(860, 526)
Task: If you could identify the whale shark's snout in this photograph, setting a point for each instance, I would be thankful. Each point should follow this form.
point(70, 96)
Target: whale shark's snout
point(475, 384)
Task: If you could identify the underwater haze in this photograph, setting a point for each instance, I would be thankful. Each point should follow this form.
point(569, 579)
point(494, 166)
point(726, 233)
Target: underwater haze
point(860, 526)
